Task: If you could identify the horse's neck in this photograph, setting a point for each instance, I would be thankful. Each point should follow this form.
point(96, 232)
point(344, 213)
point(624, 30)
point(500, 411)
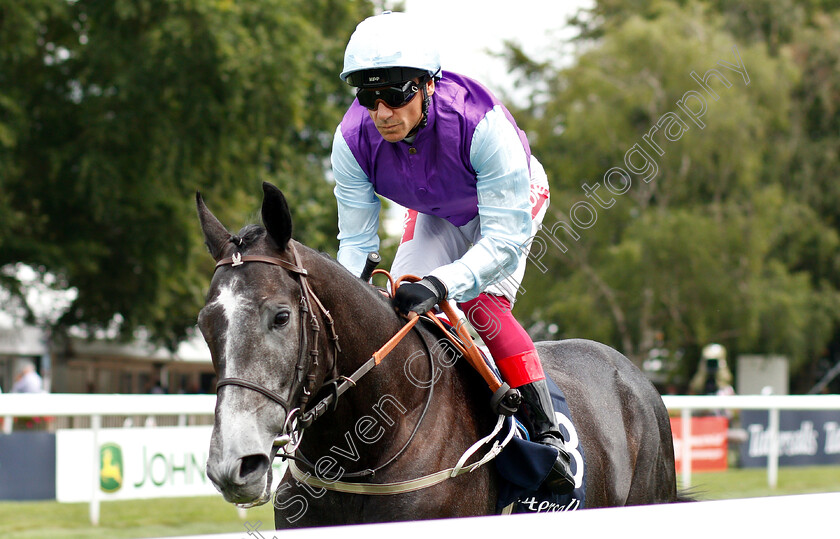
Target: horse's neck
point(391, 399)
point(362, 316)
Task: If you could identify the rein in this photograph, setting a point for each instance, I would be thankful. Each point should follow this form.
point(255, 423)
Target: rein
point(463, 343)
point(400, 487)
point(309, 304)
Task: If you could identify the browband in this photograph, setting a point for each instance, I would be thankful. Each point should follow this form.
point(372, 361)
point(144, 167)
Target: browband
point(238, 259)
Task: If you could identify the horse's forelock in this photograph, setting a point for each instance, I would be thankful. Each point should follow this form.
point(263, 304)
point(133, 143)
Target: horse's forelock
point(250, 235)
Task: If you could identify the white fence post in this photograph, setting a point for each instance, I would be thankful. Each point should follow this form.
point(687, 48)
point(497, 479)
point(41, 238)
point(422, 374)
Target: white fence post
point(772, 403)
point(773, 450)
point(686, 448)
point(95, 425)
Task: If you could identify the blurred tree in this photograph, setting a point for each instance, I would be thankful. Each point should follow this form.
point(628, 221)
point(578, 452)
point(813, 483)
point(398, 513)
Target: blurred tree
point(112, 114)
point(721, 245)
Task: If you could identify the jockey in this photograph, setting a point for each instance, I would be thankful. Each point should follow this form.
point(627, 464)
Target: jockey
point(475, 196)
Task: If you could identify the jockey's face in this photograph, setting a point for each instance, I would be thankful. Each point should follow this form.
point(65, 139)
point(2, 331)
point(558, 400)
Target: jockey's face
point(394, 124)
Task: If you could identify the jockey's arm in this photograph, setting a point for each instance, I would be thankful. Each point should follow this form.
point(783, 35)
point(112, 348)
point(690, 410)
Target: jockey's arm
point(503, 176)
point(358, 208)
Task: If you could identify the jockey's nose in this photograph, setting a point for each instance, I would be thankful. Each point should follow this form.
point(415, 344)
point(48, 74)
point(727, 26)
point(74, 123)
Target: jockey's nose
point(383, 111)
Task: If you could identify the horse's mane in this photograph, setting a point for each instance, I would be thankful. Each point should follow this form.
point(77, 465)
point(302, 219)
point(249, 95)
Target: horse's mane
point(366, 295)
point(251, 234)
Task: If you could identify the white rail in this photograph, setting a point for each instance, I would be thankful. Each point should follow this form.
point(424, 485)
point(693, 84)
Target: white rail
point(98, 405)
point(73, 404)
point(772, 403)
point(95, 406)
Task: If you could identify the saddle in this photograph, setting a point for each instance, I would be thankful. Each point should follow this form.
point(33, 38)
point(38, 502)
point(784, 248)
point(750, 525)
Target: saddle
point(523, 465)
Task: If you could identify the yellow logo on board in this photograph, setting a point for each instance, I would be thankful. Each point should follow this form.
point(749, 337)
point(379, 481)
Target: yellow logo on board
point(110, 467)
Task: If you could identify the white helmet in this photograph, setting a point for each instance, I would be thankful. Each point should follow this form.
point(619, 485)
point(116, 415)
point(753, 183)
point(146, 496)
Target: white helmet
point(388, 49)
point(714, 351)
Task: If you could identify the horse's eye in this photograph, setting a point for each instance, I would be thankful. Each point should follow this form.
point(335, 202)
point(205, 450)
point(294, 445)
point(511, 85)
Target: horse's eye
point(281, 318)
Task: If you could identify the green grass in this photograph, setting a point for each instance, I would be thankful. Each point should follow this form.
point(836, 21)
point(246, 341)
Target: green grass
point(127, 519)
point(752, 482)
point(192, 516)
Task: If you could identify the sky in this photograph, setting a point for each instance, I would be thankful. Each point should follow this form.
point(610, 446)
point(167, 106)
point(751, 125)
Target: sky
point(468, 31)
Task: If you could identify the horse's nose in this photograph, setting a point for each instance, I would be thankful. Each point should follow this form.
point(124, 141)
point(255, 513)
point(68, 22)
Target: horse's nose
point(238, 471)
point(253, 466)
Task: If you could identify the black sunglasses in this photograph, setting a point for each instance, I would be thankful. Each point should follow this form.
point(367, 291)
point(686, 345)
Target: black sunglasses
point(393, 96)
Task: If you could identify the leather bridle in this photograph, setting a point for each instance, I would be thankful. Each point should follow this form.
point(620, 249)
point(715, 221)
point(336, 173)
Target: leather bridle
point(307, 363)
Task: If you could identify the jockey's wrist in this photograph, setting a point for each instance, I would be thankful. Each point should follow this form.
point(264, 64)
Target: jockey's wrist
point(437, 286)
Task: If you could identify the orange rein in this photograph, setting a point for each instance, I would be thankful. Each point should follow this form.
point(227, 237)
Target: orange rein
point(467, 349)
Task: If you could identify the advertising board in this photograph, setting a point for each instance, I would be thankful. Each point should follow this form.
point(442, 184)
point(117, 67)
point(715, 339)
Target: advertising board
point(806, 438)
point(133, 463)
point(27, 466)
point(708, 443)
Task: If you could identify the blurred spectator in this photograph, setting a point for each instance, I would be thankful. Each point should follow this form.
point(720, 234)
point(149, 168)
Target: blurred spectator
point(156, 387)
point(713, 376)
point(27, 380)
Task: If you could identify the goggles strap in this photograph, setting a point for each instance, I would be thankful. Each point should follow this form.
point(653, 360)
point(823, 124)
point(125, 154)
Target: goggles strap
point(424, 118)
point(426, 101)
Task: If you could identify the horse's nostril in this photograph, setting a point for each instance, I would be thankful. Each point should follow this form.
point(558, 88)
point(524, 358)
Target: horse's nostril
point(253, 464)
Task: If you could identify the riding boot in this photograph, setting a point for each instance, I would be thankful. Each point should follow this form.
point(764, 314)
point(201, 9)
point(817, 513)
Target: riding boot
point(519, 364)
point(539, 413)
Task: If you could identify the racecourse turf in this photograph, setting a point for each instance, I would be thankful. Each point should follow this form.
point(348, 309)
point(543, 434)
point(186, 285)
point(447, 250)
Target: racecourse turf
point(192, 516)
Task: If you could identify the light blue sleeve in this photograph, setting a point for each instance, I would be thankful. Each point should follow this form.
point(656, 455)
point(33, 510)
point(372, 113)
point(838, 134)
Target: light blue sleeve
point(358, 208)
point(501, 165)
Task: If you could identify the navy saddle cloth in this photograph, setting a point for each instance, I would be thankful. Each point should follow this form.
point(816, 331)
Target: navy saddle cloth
point(523, 465)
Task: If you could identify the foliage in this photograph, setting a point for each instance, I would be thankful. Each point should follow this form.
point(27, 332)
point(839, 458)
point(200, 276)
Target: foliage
point(733, 236)
point(112, 115)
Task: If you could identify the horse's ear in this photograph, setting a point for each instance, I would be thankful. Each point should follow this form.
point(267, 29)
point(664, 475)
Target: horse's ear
point(276, 216)
point(215, 234)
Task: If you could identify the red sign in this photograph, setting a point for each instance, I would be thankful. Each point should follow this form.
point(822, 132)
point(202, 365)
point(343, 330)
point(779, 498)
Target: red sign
point(708, 443)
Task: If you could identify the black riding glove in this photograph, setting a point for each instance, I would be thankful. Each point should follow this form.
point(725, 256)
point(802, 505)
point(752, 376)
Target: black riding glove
point(421, 296)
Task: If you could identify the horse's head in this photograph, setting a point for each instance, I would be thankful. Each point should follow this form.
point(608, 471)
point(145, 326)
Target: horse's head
point(257, 334)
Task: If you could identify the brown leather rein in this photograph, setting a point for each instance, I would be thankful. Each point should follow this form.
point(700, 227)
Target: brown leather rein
point(340, 385)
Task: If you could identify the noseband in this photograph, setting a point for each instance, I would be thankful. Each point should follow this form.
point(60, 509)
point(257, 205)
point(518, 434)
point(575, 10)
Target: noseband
point(309, 304)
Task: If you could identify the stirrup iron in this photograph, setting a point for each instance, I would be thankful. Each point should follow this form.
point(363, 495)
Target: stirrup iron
point(505, 400)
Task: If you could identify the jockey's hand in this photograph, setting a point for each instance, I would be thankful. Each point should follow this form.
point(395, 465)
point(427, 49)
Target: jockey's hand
point(419, 297)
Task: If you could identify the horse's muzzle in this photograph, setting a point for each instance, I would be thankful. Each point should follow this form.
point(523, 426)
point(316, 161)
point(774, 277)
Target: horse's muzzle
point(240, 480)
